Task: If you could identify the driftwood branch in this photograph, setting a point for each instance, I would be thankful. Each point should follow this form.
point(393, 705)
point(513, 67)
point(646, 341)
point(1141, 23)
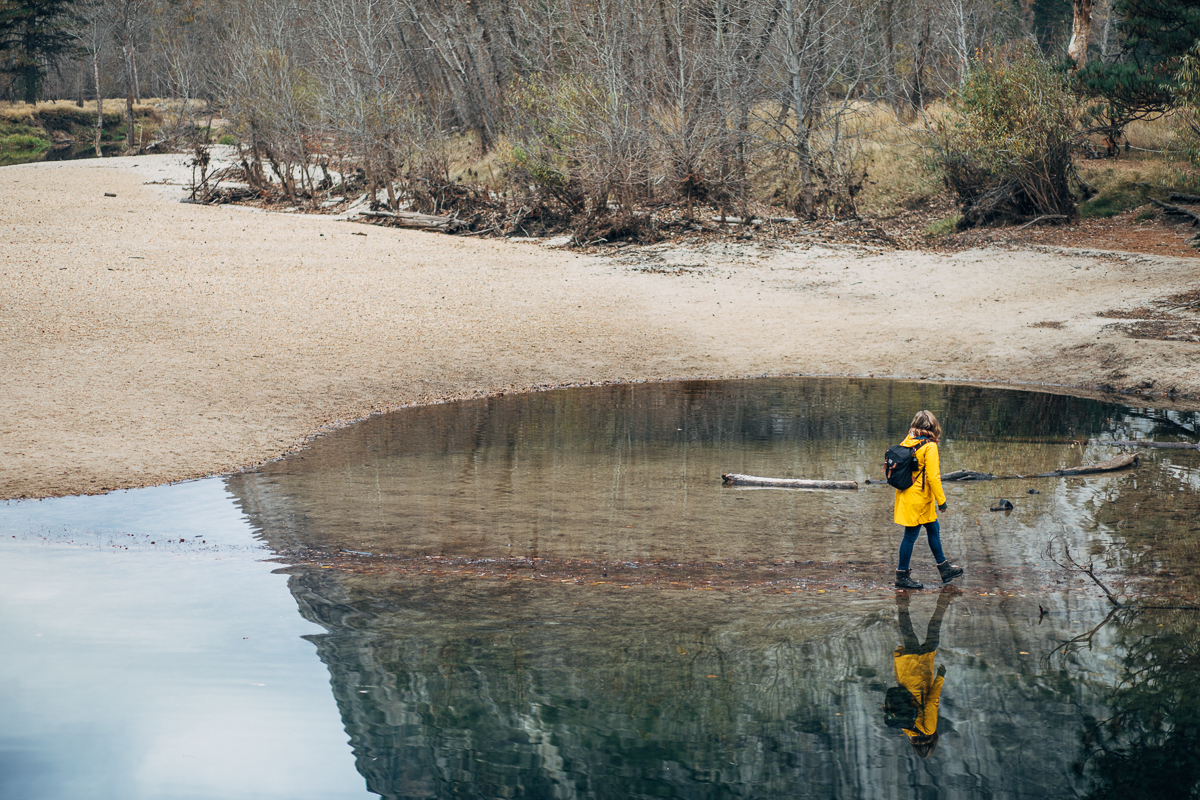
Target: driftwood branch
point(1072, 564)
point(1123, 461)
point(1042, 218)
point(735, 479)
point(965, 475)
point(1163, 445)
point(411, 219)
point(1120, 462)
point(1178, 211)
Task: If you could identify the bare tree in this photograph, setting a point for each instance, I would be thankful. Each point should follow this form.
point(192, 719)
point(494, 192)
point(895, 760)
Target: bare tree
point(126, 21)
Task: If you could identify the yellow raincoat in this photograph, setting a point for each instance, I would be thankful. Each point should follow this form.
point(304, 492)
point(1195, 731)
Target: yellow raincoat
point(916, 674)
point(918, 504)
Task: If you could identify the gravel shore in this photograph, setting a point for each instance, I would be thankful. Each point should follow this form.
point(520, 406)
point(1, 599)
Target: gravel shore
point(147, 341)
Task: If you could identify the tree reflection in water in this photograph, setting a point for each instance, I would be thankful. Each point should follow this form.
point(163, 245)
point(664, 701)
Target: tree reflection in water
point(486, 686)
point(1147, 743)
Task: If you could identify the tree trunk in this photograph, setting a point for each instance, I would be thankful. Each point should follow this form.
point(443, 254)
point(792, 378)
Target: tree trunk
point(1081, 32)
point(127, 51)
point(99, 99)
point(891, 84)
point(137, 82)
point(29, 83)
point(921, 59)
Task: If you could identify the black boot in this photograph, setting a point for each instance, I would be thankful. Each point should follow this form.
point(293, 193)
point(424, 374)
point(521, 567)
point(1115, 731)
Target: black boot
point(904, 581)
point(949, 571)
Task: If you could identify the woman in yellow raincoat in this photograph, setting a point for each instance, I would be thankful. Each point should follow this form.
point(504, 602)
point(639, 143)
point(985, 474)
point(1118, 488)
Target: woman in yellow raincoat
point(918, 505)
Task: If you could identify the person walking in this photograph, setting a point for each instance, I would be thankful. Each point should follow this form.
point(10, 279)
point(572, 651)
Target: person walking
point(918, 505)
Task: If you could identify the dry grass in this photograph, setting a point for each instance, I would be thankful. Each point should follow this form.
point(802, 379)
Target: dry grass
point(150, 106)
point(1125, 182)
point(488, 169)
point(1160, 135)
point(892, 151)
point(899, 176)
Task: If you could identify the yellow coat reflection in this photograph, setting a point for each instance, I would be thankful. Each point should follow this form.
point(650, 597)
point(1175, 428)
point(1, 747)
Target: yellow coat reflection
point(912, 704)
point(916, 674)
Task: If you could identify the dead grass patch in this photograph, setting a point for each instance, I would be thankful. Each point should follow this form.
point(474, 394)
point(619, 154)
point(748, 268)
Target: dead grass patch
point(1161, 330)
point(1161, 323)
point(1142, 313)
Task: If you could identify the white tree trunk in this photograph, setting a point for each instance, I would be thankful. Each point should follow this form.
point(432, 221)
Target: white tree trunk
point(99, 98)
point(1081, 32)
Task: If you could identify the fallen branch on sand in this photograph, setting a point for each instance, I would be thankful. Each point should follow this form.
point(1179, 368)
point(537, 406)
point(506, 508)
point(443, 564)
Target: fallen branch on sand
point(411, 219)
point(1178, 211)
point(735, 479)
point(1042, 218)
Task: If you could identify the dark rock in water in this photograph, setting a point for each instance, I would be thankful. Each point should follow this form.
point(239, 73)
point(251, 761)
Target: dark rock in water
point(1003, 505)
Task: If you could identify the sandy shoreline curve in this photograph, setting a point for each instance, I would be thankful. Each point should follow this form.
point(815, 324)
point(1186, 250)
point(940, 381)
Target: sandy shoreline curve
point(146, 341)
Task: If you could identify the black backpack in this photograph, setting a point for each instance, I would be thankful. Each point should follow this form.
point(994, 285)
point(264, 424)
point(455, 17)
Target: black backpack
point(900, 708)
point(899, 464)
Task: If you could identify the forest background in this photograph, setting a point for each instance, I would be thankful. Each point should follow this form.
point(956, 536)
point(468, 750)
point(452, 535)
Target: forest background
point(594, 115)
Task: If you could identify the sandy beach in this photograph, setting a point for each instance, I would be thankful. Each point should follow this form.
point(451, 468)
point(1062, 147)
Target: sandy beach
point(146, 340)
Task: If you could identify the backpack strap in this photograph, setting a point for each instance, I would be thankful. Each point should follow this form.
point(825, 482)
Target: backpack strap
point(922, 443)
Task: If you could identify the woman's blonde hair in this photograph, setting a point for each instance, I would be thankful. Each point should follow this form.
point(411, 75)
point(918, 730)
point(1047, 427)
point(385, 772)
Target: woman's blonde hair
point(925, 426)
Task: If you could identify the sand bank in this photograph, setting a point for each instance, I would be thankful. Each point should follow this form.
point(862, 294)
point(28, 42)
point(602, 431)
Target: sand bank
point(144, 341)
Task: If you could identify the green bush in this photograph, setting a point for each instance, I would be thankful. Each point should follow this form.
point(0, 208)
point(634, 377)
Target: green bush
point(1187, 97)
point(1116, 200)
point(1006, 148)
point(21, 147)
point(227, 139)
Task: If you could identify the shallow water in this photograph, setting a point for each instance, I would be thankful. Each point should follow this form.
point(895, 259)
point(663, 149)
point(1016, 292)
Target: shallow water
point(70, 152)
point(554, 595)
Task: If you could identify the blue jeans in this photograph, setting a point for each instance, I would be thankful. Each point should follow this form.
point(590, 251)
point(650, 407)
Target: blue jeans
point(933, 532)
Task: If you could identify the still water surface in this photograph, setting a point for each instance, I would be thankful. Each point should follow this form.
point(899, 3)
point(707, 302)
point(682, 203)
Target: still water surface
point(554, 596)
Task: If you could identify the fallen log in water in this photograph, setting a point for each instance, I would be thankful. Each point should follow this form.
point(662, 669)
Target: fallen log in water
point(964, 475)
point(735, 479)
point(1163, 445)
point(1120, 462)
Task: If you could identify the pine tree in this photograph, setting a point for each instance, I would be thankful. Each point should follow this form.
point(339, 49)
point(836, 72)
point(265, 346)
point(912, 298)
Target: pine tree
point(33, 33)
point(1141, 81)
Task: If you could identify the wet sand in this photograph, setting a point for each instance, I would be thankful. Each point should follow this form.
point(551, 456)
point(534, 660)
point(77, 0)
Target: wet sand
point(146, 341)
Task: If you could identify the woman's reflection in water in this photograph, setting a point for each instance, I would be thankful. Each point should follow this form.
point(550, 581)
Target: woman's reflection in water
point(913, 705)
